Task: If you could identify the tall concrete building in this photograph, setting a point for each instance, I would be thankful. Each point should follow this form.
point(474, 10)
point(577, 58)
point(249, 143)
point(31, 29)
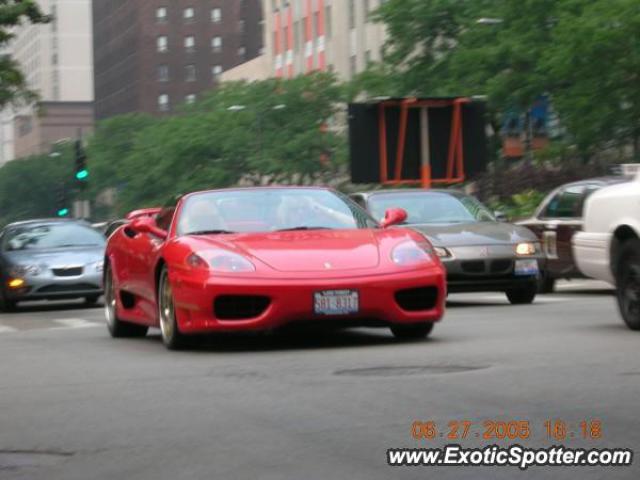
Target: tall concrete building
point(57, 61)
point(154, 55)
point(327, 35)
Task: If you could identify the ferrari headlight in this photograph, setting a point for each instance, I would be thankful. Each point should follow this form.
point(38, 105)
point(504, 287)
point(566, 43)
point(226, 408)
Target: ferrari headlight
point(25, 270)
point(526, 248)
point(220, 261)
point(230, 262)
point(412, 253)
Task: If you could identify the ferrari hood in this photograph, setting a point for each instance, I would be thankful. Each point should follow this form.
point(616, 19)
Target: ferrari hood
point(309, 251)
point(476, 233)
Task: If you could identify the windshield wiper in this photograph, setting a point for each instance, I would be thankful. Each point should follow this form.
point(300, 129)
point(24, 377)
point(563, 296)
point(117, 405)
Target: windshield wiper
point(301, 228)
point(210, 232)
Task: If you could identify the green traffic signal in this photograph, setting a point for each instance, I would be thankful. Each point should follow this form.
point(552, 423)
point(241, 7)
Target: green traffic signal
point(82, 174)
point(63, 212)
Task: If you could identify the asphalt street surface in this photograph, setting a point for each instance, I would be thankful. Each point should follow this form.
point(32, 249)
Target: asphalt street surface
point(76, 404)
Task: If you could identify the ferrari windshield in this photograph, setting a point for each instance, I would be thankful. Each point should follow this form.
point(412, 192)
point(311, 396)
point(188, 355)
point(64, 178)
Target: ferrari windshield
point(51, 235)
point(268, 210)
point(431, 207)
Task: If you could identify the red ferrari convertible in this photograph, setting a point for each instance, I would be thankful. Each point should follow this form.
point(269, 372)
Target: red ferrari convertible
point(262, 258)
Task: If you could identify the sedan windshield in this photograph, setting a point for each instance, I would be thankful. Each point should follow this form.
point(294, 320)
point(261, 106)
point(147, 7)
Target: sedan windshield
point(50, 236)
point(269, 210)
point(431, 207)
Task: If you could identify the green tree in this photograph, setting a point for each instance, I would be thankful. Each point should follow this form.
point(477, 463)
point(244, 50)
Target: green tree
point(29, 187)
point(13, 86)
point(594, 66)
point(271, 127)
point(584, 53)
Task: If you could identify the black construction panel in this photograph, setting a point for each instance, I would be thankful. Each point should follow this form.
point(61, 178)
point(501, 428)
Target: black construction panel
point(364, 141)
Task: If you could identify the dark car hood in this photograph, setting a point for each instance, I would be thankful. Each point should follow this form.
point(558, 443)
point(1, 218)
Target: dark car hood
point(476, 233)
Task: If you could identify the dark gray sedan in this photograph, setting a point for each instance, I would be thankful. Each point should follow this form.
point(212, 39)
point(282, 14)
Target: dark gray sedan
point(480, 253)
point(50, 260)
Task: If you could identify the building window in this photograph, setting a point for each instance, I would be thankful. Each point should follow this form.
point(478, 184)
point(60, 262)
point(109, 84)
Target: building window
point(188, 14)
point(161, 14)
point(327, 21)
point(296, 35)
point(216, 44)
point(162, 43)
point(216, 71)
point(366, 8)
point(163, 102)
point(189, 43)
point(191, 98)
point(241, 25)
point(163, 73)
point(25, 125)
point(216, 15)
point(367, 57)
point(352, 14)
point(353, 65)
point(316, 24)
point(190, 73)
point(242, 51)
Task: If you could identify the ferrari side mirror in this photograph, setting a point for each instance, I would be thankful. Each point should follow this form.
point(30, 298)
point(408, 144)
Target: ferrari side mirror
point(147, 225)
point(393, 216)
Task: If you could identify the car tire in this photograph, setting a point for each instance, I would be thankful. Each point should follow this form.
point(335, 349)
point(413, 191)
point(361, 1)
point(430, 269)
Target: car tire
point(522, 295)
point(118, 328)
point(91, 300)
point(547, 284)
point(6, 305)
point(628, 283)
point(172, 338)
point(414, 331)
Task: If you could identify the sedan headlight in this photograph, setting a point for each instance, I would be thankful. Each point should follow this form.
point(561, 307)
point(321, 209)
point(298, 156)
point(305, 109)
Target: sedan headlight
point(442, 252)
point(526, 248)
point(220, 261)
point(24, 270)
point(99, 266)
point(412, 253)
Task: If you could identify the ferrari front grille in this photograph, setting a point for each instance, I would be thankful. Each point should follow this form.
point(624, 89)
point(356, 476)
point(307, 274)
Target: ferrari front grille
point(417, 299)
point(239, 307)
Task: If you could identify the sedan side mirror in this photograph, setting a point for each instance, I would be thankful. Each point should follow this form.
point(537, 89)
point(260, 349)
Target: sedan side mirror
point(147, 225)
point(393, 216)
point(500, 216)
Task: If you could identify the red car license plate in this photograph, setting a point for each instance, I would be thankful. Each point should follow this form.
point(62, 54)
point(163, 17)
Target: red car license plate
point(335, 302)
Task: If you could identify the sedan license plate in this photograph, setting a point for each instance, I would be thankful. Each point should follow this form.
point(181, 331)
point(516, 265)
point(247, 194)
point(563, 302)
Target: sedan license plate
point(527, 267)
point(335, 302)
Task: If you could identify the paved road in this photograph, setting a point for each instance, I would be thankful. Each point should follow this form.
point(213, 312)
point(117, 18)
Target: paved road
point(75, 404)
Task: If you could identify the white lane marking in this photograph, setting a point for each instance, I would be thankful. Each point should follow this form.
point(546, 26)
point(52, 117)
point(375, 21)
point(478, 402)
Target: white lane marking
point(584, 285)
point(75, 323)
point(5, 329)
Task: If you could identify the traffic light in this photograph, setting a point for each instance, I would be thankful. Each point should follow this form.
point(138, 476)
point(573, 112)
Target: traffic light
point(61, 202)
point(81, 162)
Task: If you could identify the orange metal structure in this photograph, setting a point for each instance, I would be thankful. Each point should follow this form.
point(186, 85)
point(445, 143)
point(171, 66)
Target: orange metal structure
point(455, 160)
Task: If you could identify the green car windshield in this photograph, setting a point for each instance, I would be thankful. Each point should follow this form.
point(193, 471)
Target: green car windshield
point(431, 207)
